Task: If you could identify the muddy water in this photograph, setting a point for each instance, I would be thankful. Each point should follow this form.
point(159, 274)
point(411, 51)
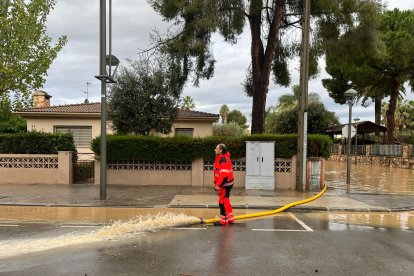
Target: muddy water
point(115, 231)
point(370, 178)
point(346, 221)
point(96, 214)
point(120, 224)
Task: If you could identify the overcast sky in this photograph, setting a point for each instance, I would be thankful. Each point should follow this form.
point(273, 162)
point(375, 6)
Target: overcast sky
point(133, 20)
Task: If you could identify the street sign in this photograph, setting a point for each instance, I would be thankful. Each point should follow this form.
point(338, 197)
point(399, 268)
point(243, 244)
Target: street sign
point(345, 131)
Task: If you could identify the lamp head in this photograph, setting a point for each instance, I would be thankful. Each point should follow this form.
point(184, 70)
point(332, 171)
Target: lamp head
point(356, 119)
point(112, 61)
point(350, 94)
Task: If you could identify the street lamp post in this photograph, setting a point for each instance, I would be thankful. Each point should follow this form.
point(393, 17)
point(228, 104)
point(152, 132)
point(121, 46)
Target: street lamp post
point(349, 95)
point(104, 77)
point(356, 140)
point(303, 100)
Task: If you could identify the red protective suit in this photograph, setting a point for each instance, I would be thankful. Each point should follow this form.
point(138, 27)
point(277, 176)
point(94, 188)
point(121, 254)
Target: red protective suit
point(223, 181)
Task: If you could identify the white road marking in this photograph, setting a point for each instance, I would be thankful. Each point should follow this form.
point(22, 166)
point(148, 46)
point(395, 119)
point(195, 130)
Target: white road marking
point(9, 225)
point(301, 223)
point(78, 226)
point(188, 228)
point(280, 230)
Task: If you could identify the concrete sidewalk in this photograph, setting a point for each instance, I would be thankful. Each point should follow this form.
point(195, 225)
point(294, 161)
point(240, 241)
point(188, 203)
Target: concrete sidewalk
point(194, 197)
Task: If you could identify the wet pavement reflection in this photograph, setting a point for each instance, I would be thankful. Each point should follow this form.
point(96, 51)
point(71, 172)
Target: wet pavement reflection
point(370, 178)
point(346, 221)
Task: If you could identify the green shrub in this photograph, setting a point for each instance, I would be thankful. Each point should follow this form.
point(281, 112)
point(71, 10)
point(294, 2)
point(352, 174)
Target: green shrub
point(404, 136)
point(231, 129)
point(185, 149)
point(36, 143)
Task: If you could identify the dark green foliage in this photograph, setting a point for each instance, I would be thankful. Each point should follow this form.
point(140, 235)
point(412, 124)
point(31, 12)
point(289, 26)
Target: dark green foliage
point(403, 136)
point(36, 143)
point(286, 121)
point(275, 42)
point(231, 129)
point(237, 117)
point(185, 149)
point(319, 145)
point(9, 122)
point(13, 124)
point(376, 59)
point(26, 50)
point(146, 97)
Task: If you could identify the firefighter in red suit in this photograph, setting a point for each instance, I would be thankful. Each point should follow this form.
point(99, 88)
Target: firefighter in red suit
point(223, 183)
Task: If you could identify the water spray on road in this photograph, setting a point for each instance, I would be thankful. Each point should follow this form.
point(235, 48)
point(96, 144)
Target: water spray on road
point(117, 230)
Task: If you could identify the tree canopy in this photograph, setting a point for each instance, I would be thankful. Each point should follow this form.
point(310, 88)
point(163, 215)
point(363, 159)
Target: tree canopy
point(224, 113)
point(272, 26)
point(286, 121)
point(237, 117)
point(376, 71)
point(26, 52)
point(188, 103)
point(289, 100)
point(9, 122)
point(283, 118)
point(145, 97)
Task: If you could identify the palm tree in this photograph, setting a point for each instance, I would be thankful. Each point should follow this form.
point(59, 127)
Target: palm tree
point(402, 115)
point(188, 103)
point(289, 100)
point(224, 112)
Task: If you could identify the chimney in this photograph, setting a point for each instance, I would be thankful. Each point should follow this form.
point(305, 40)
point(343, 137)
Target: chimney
point(41, 99)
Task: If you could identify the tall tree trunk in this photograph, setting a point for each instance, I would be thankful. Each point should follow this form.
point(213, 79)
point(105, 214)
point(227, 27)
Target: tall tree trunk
point(262, 59)
point(377, 102)
point(391, 111)
point(378, 111)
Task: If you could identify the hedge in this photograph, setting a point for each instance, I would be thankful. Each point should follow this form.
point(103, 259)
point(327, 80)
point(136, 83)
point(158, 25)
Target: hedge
point(36, 143)
point(185, 149)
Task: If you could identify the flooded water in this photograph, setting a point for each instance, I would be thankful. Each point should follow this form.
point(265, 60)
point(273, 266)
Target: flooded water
point(370, 178)
point(92, 214)
point(115, 231)
point(345, 221)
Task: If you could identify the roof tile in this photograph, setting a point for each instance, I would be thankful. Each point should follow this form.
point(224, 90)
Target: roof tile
point(96, 108)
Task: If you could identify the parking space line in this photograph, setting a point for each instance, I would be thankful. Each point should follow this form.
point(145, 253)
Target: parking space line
point(188, 228)
point(9, 225)
point(307, 228)
point(79, 226)
point(281, 230)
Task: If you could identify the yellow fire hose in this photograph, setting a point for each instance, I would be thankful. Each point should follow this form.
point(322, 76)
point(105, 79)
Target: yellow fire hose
point(272, 212)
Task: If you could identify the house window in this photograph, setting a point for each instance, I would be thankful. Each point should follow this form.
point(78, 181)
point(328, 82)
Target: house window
point(184, 132)
point(82, 135)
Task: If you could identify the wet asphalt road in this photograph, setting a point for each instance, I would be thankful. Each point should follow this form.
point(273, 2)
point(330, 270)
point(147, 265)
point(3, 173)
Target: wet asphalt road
point(288, 244)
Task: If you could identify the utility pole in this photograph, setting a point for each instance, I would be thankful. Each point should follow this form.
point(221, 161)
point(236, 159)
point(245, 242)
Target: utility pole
point(303, 101)
point(102, 72)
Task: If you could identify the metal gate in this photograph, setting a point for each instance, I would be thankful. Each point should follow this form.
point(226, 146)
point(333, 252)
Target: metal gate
point(84, 169)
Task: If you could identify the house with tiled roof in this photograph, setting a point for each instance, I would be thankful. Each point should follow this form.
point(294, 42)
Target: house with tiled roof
point(83, 120)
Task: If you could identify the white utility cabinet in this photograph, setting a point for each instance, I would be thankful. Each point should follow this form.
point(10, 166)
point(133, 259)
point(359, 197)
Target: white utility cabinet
point(260, 165)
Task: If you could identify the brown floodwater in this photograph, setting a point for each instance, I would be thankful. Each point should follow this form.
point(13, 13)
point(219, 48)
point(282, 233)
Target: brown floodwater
point(114, 224)
point(370, 178)
point(114, 231)
point(118, 224)
point(337, 221)
point(97, 214)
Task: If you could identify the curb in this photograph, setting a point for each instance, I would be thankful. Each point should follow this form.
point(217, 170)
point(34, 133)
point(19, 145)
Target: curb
point(206, 206)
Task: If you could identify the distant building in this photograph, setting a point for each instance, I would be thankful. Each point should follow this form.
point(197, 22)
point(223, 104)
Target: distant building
point(83, 120)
